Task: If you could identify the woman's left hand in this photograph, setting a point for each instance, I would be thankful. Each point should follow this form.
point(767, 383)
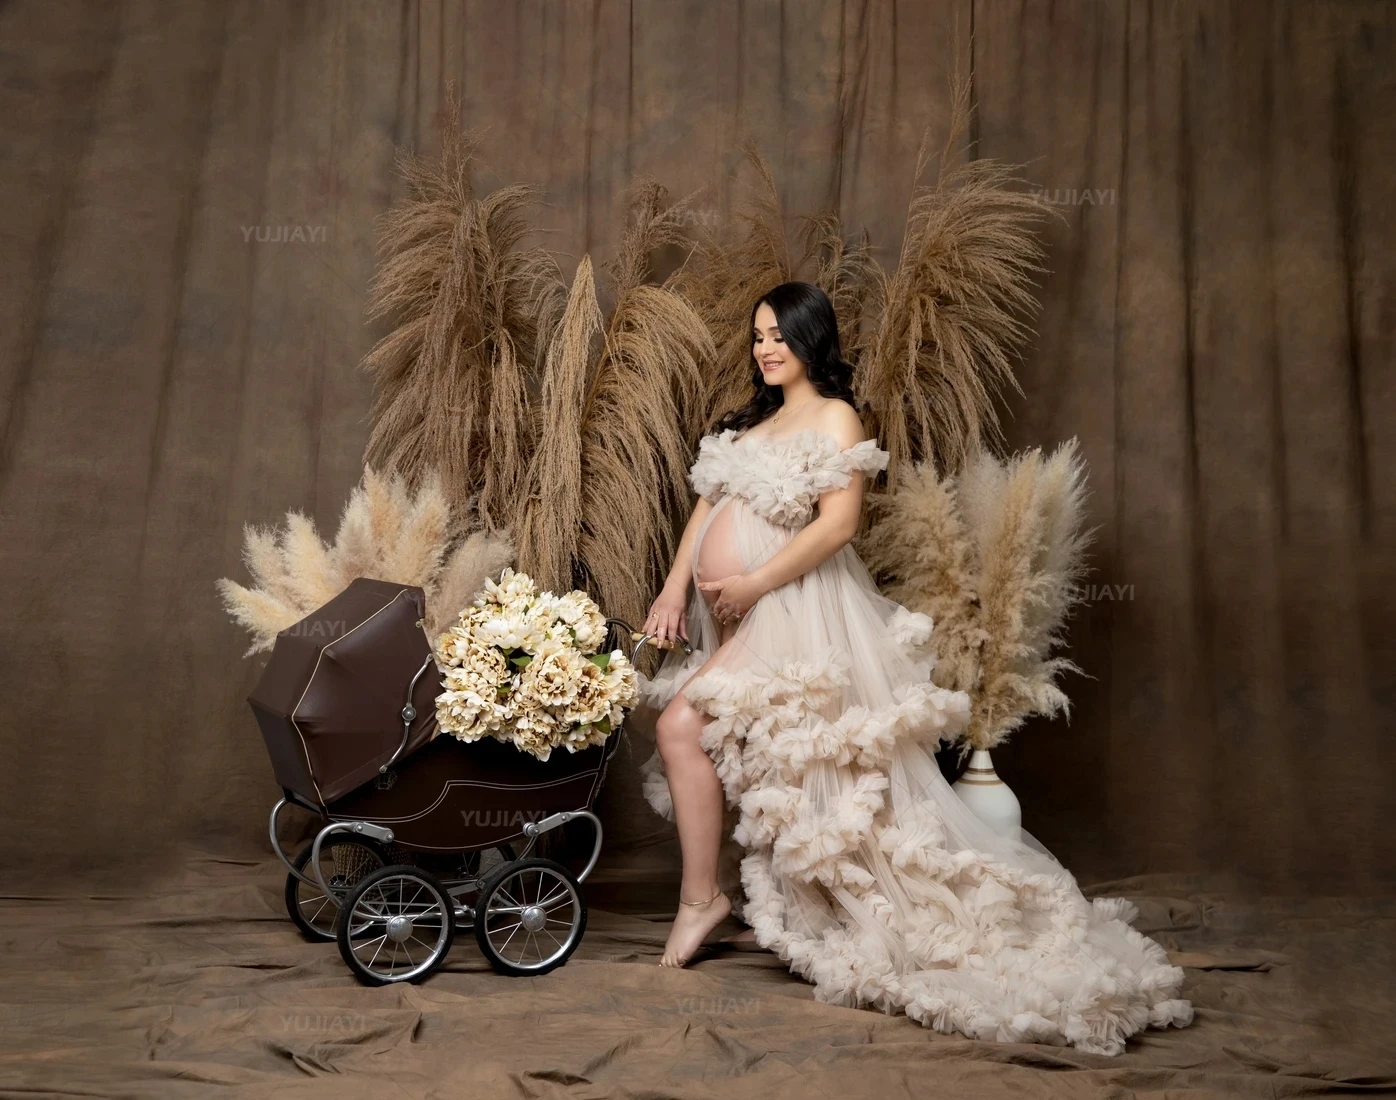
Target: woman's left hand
point(735, 595)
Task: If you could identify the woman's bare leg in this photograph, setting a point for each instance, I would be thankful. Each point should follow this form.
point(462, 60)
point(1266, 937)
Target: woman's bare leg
point(696, 792)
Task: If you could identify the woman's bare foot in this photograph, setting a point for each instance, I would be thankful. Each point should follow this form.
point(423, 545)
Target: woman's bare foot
point(746, 935)
point(692, 924)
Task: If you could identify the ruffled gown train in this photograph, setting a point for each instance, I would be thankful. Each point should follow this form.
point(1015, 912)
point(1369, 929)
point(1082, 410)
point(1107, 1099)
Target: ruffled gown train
point(862, 867)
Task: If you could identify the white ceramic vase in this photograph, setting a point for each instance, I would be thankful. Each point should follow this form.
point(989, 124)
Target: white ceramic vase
point(991, 799)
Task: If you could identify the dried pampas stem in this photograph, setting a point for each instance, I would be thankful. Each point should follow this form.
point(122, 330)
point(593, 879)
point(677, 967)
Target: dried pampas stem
point(551, 516)
point(953, 315)
point(722, 280)
point(603, 492)
point(472, 312)
point(848, 274)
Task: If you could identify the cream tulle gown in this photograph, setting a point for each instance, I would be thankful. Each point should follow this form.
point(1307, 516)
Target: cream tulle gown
point(863, 869)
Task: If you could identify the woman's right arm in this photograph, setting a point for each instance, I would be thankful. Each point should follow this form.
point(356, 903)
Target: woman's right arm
point(667, 618)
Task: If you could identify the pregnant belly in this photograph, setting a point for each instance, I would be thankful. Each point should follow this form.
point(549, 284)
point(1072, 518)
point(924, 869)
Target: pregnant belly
point(717, 552)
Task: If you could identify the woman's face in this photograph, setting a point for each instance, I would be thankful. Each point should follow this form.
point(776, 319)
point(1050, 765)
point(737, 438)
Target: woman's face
point(777, 362)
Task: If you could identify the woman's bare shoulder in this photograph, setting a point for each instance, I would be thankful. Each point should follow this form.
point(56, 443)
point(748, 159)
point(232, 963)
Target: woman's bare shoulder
point(841, 420)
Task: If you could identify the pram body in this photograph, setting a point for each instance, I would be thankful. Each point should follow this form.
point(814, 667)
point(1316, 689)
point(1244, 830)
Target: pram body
point(422, 834)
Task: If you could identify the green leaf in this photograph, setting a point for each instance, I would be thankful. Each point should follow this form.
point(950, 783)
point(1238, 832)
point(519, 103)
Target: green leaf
point(600, 660)
point(520, 661)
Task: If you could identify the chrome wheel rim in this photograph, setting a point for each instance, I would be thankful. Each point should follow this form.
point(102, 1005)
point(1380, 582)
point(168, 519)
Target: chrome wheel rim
point(532, 917)
point(398, 928)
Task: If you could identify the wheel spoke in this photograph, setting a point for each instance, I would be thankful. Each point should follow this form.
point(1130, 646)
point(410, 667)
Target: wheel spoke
point(511, 936)
point(324, 901)
point(370, 943)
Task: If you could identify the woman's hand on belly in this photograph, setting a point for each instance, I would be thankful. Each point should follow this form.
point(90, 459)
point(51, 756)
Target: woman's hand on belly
point(732, 597)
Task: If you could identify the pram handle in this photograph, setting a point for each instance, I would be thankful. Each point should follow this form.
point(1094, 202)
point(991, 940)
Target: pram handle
point(640, 639)
point(409, 712)
point(538, 828)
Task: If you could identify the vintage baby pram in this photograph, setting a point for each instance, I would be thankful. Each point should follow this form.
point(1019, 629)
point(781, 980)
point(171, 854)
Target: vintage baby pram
point(423, 835)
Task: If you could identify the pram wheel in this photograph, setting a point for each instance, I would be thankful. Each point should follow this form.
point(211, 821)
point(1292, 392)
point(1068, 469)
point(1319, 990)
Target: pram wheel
point(529, 917)
point(345, 860)
point(396, 925)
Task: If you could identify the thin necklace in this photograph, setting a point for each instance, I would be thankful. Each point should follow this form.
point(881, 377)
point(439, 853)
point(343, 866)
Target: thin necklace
point(781, 411)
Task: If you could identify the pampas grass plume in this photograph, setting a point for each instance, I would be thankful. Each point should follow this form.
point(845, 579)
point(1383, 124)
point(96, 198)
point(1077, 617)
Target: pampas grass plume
point(386, 532)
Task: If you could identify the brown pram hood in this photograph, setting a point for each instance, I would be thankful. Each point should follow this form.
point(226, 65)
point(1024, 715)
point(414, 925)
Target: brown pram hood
point(330, 700)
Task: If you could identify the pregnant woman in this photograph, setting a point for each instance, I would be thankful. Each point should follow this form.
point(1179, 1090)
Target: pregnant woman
point(807, 704)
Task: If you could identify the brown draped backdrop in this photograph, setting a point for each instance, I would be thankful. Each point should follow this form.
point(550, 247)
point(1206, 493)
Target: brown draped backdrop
point(187, 202)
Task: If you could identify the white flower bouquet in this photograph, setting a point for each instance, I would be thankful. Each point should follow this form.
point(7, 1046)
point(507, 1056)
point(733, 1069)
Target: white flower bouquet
point(521, 666)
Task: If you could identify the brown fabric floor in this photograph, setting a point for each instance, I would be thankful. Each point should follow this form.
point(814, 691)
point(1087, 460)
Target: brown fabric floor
point(200, 985)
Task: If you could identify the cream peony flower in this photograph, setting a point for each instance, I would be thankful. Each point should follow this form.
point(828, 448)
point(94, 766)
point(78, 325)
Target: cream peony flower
point(518, 666)
point(591, 699)
point(554, 674)
point(578, 611)
point(512, 591)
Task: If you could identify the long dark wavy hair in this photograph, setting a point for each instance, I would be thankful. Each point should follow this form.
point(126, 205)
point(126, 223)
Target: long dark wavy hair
point(810, 329)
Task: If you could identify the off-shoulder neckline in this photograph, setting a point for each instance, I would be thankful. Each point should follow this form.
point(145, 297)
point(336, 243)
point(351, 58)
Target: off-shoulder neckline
point(746, 437)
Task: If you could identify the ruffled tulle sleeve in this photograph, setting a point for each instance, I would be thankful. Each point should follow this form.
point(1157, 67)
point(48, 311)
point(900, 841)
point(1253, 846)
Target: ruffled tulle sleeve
point(822, 467)
point(712, 468)
point(866, 456)
point(831, 468)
